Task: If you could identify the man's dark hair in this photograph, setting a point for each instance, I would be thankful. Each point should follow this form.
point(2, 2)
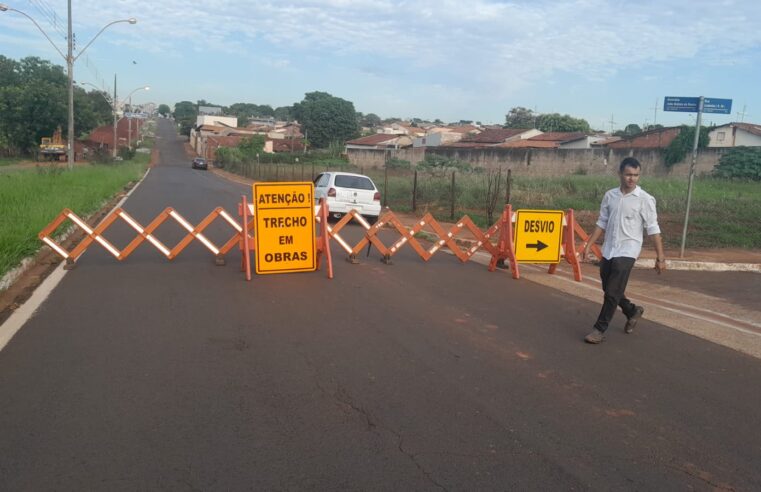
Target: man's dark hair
point(629, 162)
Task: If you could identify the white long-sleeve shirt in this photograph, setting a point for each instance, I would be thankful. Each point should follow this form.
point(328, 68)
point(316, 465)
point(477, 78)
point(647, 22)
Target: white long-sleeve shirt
point(624, 218)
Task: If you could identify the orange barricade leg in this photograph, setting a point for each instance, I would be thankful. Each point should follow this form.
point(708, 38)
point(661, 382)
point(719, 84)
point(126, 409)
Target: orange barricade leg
point(569, 246)
point(505, 245)
point(245, 247)
point(324, 243)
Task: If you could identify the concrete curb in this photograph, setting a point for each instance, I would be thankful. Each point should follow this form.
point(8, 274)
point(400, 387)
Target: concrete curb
point(682, 265)
point(704, 266)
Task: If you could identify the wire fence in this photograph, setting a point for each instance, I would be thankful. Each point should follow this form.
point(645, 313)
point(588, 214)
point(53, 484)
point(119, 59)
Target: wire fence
point(445, 193)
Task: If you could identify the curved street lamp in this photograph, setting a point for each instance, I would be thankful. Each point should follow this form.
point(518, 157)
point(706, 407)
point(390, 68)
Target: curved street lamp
point(70, 59)
point(129, 120)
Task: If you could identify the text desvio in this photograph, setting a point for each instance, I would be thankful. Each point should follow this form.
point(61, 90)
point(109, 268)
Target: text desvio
point(538, 226)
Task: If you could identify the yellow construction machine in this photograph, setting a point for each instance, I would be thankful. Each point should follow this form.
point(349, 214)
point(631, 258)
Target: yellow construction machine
point(53, 148)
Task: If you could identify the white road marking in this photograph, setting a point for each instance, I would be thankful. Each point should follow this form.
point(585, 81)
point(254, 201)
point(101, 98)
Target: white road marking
point(24, 313)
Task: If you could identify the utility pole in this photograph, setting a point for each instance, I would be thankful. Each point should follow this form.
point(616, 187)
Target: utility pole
point(611, 123)
point(70, 74)
point(113, 151)
point(741, 114)
point(655, 111)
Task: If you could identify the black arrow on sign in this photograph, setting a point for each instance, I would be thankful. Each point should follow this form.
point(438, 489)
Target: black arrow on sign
point(539, 246)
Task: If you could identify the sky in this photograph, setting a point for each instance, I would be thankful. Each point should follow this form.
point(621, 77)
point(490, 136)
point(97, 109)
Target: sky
point(611, 62)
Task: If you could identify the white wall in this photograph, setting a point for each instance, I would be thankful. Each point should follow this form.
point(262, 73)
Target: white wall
point(212, 120)
point(720, 137)
point(744, 138)
point(740, 137)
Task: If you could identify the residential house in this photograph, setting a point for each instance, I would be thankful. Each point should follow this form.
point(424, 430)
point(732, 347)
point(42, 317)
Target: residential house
point(443, 135)
point(735, 135)
point(552, 140)
point(102, 137)
point(379, 141)
point(495, 137)
point(402, 128)
point(219, 120)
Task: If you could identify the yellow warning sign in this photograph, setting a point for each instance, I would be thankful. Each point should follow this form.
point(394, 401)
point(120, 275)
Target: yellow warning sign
point(538, 234)
point(285, 232)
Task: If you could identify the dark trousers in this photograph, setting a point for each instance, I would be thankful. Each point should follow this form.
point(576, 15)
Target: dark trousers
point(614, 274)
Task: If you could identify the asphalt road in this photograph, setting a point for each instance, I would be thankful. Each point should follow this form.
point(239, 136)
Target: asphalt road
point(149, 374)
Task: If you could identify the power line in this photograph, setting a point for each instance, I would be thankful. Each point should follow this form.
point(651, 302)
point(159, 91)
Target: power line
point(55, 21)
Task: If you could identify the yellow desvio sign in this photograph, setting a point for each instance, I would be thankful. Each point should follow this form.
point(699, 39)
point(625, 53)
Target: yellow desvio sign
point(538, 234)
point(285, 233)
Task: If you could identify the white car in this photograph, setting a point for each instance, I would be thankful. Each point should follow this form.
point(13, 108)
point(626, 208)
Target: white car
point(346, 191)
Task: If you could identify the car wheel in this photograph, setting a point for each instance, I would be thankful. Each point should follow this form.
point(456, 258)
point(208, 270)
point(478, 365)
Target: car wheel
point(371, 219)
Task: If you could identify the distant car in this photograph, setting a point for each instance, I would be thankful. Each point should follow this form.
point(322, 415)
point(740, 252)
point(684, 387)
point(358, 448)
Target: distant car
point(199, 163)
point(346, 191)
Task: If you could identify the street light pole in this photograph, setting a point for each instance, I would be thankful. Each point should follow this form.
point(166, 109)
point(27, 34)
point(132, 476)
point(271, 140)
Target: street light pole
point(113, 151)
point(70, 72)
point(70, 59)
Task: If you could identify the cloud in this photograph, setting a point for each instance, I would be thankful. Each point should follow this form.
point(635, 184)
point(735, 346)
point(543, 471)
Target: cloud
point(478, 46)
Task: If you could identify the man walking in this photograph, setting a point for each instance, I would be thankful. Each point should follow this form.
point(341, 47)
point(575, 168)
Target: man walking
point(625, 213)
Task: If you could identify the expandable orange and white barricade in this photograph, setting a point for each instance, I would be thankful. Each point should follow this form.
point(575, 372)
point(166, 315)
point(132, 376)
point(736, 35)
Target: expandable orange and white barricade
point(502, 250)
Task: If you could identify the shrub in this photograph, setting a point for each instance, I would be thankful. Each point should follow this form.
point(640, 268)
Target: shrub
point(396, 163)
point(681, 146)
point(434, 163)
point(740, 163)
point(126, 153)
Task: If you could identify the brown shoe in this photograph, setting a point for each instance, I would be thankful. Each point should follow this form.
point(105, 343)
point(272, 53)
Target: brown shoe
point(595, 337)
point(631, 322)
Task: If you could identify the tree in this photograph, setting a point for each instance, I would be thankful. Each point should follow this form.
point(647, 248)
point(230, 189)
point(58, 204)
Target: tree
point(164, 110)
point(371, 120)
point(245, 111)
point(33, 103)
point(326, 118)
point(520, 117)
point(283, 113)
point(629, 131)
point(632, 129)
point(555, 122)
point(185, 114)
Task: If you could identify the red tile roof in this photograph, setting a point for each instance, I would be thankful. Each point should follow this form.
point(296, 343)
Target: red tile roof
point(748, 127)
point(530, 143)
point(495, 136)
point(376, 139)
point(659, 138)
point(560, 137)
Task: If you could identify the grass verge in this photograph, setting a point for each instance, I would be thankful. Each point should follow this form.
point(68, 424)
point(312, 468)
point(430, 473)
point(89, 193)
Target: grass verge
point(31, 198)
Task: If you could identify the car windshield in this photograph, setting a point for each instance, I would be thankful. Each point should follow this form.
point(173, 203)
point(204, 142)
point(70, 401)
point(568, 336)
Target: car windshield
point(356, 182)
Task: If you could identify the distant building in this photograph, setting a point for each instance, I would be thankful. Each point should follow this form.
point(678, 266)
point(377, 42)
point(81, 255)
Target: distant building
point(495, 137)
point(379, 141)
point(552, 140)
point(735, 135)
point(659, 138)
point(230, 121)
point(210, 110)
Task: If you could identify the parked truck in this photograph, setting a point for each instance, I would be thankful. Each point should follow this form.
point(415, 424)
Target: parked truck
point(53, 148)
